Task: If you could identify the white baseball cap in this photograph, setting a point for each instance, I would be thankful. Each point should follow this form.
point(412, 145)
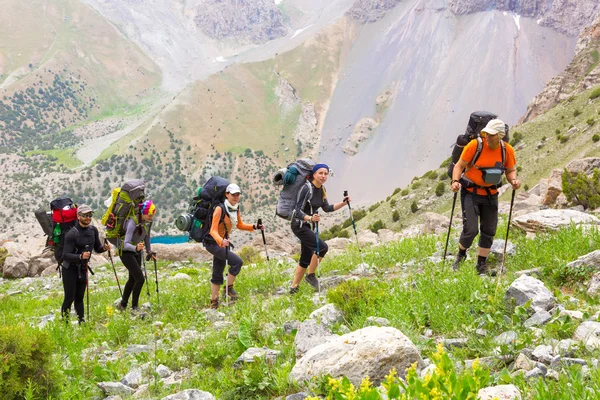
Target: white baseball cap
point(233, 189)
point(495, 127)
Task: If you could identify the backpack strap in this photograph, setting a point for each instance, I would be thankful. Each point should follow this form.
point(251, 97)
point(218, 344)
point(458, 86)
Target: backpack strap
point(307, 198)
point(478, 151)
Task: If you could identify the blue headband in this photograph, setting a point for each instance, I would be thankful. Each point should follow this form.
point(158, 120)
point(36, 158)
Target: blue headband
point(319, 166)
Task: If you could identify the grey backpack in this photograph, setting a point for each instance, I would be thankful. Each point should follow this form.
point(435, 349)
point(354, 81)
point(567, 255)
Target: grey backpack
point(292, 179)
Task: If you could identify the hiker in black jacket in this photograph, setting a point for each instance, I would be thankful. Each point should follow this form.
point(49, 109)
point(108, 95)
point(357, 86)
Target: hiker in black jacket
point(305, 212)
point(79, 243)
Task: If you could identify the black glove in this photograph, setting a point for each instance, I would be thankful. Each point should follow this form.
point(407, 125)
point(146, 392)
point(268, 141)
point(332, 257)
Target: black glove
point(149, 255)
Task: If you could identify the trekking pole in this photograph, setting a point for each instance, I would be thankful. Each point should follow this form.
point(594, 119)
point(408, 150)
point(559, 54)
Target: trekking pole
point(155, 278)
point(512, 202)
point(362, 256)
point(449, 227)
point(145, 273)
point(317, 254)
point(226, 271)
point(259, 223)
point(113, 266)
point(87, 282)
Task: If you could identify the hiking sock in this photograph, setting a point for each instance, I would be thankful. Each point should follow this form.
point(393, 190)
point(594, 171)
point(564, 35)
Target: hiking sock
point(481, 260)
point(462, 252)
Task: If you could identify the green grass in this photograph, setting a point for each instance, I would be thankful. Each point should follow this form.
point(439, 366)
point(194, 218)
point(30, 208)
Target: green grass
point(65, 157)
point(416, 297)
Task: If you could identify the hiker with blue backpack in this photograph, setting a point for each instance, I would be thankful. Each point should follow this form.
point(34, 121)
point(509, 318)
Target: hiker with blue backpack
point(225, 216)
point(137, 239)
point(311, 197)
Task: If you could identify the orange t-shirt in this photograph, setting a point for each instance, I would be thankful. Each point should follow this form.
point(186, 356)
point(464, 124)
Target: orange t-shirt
point(487, 159)
point(217, 229)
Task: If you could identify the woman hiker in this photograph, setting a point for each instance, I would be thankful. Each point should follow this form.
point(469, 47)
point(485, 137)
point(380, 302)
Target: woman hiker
point(224, 218)
point(312, 196)
point(79, 243)
point(137, 239)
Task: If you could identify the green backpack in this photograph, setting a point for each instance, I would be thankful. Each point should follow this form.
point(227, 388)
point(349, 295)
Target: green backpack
point(124, 205)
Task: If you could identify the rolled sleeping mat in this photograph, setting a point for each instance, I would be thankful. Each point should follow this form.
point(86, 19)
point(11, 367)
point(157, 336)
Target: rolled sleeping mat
point(184, 222)
point(45, 220)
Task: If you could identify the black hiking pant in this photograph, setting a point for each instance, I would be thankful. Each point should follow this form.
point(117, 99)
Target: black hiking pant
point(480, 214)
point(74, 280)
point(219, 256)
point(308, 242)
point(135, 283)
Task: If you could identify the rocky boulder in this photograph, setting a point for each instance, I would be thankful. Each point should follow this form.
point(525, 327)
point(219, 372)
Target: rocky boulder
point(282, 242)
point(328, 315)
point(526, 288)
point(551, 188)
point(265, 353)
point(588, 333)
point(371, 351)
point(338, 245)
point(585, 165)
point(589, 260)
point(368, 238)
point(15, 266)
point(190, 394)
point(371, 10)
point(435, 223)
point(551, 220)
point(311, 334)
point(500, 392)
point(181, 252)
point(41, 262)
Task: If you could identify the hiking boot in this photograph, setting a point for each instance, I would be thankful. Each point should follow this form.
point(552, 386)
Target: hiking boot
point(214, 304)
point(136, 312)
point(120, 307)
point(482, 268)
point(294, 290)
point(81, 321)
point(233, 294)
point(458, 260)
point(312, 280)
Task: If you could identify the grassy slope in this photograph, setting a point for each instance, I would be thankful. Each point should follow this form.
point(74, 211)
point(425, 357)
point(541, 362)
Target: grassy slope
point(415, 298)
point(536, 163)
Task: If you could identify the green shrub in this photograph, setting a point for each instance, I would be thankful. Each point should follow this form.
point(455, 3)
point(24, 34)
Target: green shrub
point(374, 207)
point(3, 255)
point(439, 189)
point(576, 113)
point(393, 203)
point(557, 131)
point(376, 226)
point(516, 138)
point(416, 185)
point(526, 187)
point(351, 297)
point(581, 189)
point(433, 175)
point(414, 207)
point(563, 139)
point(396, 191)
point(595, 138)
point(591, 121)
point(444, 176)
point(249, 255)
point(595, 93)
point(396, 216)
point(404, 192)
point(446, 162)
point(26, 356)
point(357, 214)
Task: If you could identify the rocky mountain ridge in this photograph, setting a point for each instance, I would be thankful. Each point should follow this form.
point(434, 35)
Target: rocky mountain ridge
point(371, 10)
point(566, 16)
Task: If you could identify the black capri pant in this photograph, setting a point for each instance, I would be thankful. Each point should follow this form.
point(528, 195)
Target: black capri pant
point(482, 211)
point(308, 242)
point(219, 255)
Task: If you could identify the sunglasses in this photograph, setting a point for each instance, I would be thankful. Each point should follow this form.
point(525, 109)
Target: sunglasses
point(87, 215)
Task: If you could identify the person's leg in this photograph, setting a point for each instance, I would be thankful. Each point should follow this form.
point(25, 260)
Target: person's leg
point(138, 276)
point(80, 289)
point(305, 234)
point(69, 278)
point(469, 231)
point(217, 272)
point(488, 226)
point(235, 266)
point(128, 259)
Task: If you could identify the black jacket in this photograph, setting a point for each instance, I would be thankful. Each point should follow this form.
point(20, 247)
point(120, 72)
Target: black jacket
point(76, 241)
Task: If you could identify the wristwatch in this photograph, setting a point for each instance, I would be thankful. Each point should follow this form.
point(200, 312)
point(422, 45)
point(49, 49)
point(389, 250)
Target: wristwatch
point(455, 180)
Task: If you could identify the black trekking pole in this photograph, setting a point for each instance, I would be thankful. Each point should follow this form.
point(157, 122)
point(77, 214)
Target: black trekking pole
point(86, 265)
point(226, 270)
point(362, 256)
point(145, 274)
point(317, 254)
point(148, 257)
point(112, 262)
point(259, 223)
point(512, 202)
point(450, 226)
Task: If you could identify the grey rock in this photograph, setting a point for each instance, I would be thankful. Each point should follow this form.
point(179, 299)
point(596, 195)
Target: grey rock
point(530, 272)
point(298, 396)
point(133, 379)
point(219, 325)
point(572, 361)
point(190, 394)
point(328, 315)
point(594, 285)
point(523, 363)
point(329, 282)
point(534, 373)
point(573, 314)
point(526, 288)
point(506, 338)
point(539, 318)
point(502, 392)
point(311, 334)
point(588, 332)
point(213, 315)
point(377, 321)
point(543, 353)
point(248, 356)
point(15, 266)
point(457, 343)
point(142, 392)
point(588, 260)
point(115, 389)
point(552, 220)
point(163, 371)
point(552, 374)
point(138, 348)
point(566, 347)
point(290, 326)
point(113, 398)
point(180, 276)
point(498, 248)
point(371, 351)
point(45, 319)
point(371, 10)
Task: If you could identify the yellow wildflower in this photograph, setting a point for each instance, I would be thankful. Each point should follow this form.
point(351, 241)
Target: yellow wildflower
point(110, 311)
point(475, 365)
point(365, 385)
point(390, 379)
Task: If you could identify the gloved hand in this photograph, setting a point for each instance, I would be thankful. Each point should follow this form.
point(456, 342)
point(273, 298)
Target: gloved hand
point(290, 176)
point(151, 256)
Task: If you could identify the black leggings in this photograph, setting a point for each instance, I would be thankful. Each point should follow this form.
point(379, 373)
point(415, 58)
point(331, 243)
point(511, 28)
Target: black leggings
point(219, 255)
point(482, 211)
point(73, 279)
point(308, 243)
point(135, 283)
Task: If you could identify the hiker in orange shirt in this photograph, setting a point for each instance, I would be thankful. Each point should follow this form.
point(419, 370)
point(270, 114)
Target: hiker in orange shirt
point(478, 175)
